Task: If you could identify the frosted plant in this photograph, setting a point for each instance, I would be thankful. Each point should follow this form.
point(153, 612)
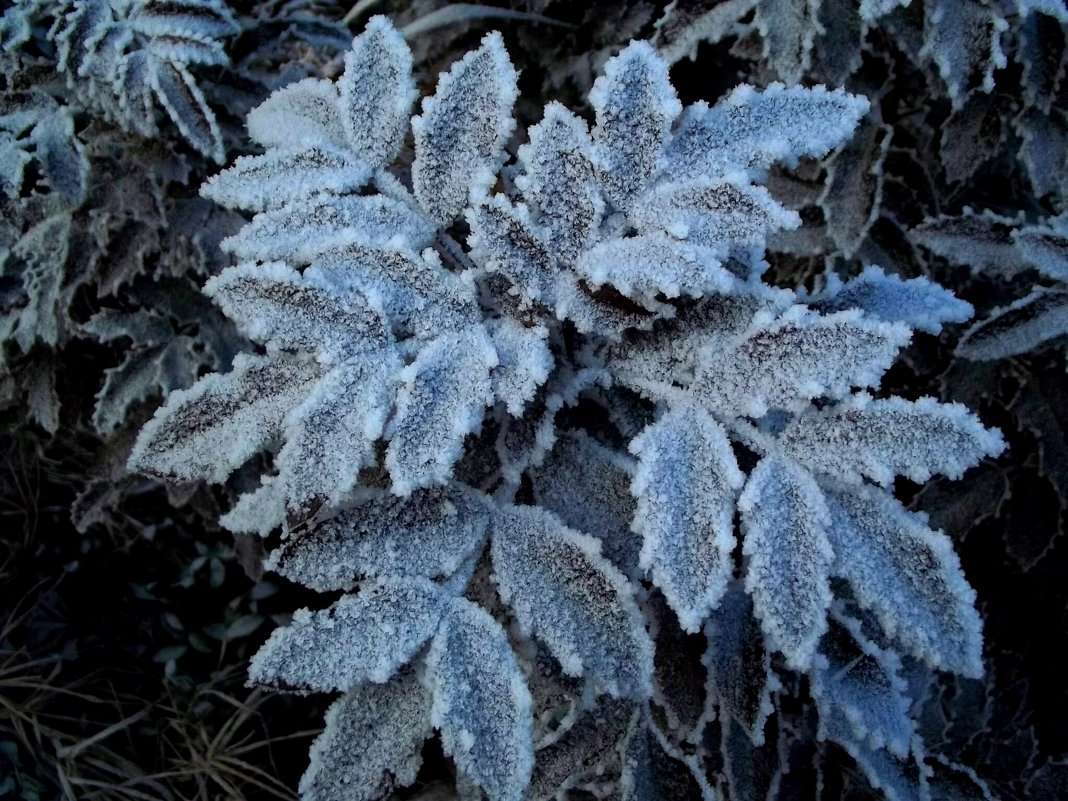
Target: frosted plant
point(516, 429)
point(120, 58)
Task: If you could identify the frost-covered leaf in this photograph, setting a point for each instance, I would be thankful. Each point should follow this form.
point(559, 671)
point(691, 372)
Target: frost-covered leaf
point(863, 682)
point(443, 396)
point(635, 105)
point(461, 133)
point(377, 92)
point(919, 303)
point(274, 304)
point(908, 575)
point(62, 157)
point(740, 679)
point(882, 438)
point(210, 429)
point(42, 251)
point(788, 28)
point(209, 18)
point(1045, 247)
point(983, 241)
point(785, 520)
point(750, 129)
point(505, 240)
point(283, 175)
point(782, 363)
point(588, 486)
point(558, 181)
point(185, 104)
point(652, 773)
point(950, 781)
point(304, 229)
point(1022, 326)
point(563, 591)
point(372, 742)
point(685, 25)
point(296, 117)
point(141, 375)
point(686, 485)
point(362, 637)
point(963, 39)
point(524, 362)
point(717, 214)
point(481, 702)
point(853, 192)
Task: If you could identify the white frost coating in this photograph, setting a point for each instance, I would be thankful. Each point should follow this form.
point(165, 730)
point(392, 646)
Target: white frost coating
point(257, 511)
point(1054, 8)
point(908, 575)
point(1029, 322)
point(1045, 247)
point(460, 136)
point(872, 10)
point(373, 740)
point(919, 303)
point(276, 305)
point(282, 175)
point(864, 683)
point(505, 240)
point(686, 485)
point(963, 39)
point(377, 92)
point(558, 181)
point(427, 534)
point(642, 267)
point(212, 428)
point(331, 436)
point(788, 30)
point(588, 486)
point(184, 103)
point(415, 291)
point(444, 394)
point(784, 363)
point(564, 592)
point(298, 116)
point(785, 520)
point(883, 438)
point(203, 17)
point(721, 215)
point(481, 702)
point(740, 680)
point(750, 129)
point(362, 637)
point(304, 229)
point(635, 105)
point(524, 362)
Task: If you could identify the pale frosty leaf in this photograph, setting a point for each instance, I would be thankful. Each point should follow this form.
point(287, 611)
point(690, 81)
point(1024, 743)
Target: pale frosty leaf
point(481, 702)
point(789, 556)
point(274, 304)
point(604, 310)
point(919, 303)
point(286, 174)
point(982, 241)
point(141, 375)
point(76, 30)
point(43, 252)
point(558, 181)
point(61, 156)
point(588, 486)
point(330, 437)
point(461, 133)
point(133, 86)
point(686, 485)
point(443, 396)
point(783, 363)
point(304, 229)
point(210, 18)
point(863, 682)
point(883, 438)
point(186, 48)
point(505, 240)
point(1045, 140)
point(836, 53)
point(718, 214)
point(258, 511)
point(750, 129)
point(1040, 317)
point(740, 678)
point(372, 742)
point(524, 362)
point(210, 429)
point(963, 39)
point(635, 105)
point(1040, 50)
point(1045, 247)
point(788, 28)
point(652, 773)
point(377, 92)
point(427, 534)
point(643, 267)
point(415, 291)
point(908, 575)
point(362, 637)
point(563, 591)
point(853, 191)
point(187, 108)
point(685, 24)
point(298, 116)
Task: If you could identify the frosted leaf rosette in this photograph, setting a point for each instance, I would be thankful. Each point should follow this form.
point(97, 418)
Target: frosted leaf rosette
point(517, 412)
